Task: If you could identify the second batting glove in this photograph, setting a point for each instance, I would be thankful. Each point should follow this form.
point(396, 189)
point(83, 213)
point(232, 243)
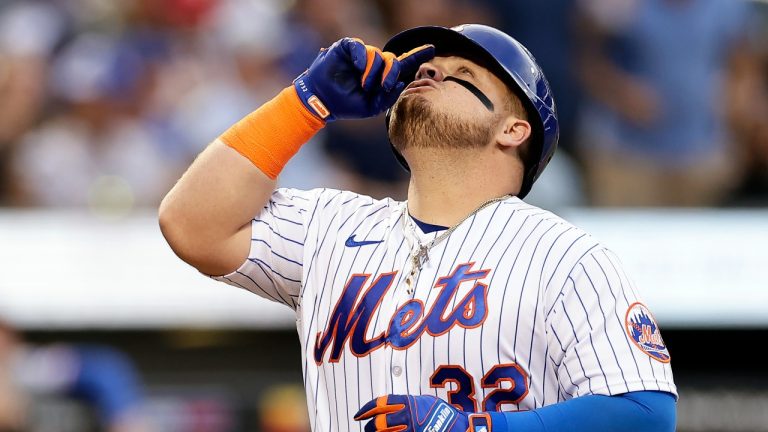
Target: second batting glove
point(354, 80)
point(405, 413)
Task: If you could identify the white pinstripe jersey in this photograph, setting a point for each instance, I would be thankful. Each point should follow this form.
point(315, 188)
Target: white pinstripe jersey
point(515, 310)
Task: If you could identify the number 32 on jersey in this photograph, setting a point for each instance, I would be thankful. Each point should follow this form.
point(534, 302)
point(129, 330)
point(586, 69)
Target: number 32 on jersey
point(356, 307)
point(463, 394)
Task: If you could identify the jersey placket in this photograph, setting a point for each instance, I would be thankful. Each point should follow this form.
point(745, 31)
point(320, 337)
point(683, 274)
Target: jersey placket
point(419, 291)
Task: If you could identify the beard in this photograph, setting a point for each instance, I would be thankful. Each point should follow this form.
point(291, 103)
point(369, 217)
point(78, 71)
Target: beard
point(415, 123)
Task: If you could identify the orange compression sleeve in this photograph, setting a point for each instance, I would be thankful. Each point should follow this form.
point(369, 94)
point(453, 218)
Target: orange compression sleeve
point(273, 133)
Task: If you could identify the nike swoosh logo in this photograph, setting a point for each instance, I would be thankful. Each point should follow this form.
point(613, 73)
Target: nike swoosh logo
point(352, 243)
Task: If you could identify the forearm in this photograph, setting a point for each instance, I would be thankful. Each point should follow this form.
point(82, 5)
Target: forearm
point(206, 216)
point(647, 411)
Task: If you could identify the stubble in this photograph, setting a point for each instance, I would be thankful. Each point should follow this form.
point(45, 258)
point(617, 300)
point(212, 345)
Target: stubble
point(416, 123)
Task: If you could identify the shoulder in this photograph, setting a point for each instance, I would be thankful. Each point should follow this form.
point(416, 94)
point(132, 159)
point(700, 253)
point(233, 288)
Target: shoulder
point(332, 203)
point(556, 242)
point(330, 197)
point(550, 225)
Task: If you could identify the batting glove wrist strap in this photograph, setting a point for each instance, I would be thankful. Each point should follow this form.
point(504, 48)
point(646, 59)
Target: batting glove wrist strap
point(354, 80)
point(481, 422)
point(272, 134)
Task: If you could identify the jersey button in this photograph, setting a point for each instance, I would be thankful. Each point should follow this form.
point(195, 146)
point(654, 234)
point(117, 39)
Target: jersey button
point(397, 370)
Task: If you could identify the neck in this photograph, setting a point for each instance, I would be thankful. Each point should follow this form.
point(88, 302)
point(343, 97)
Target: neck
point(443, 192)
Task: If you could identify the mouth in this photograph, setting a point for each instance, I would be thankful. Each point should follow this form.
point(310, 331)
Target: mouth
point(421, 83)
point(419, 86)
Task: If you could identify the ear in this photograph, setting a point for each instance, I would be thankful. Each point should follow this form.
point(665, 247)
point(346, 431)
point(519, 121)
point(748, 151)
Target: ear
point(513, 132)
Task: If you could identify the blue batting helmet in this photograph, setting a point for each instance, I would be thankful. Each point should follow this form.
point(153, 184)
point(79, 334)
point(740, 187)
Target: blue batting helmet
point(509, 60)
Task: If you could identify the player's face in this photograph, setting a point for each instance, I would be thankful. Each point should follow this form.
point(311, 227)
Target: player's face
point(442, 108)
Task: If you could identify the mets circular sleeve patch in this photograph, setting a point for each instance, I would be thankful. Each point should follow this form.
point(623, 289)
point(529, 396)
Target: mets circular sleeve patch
point(644, 332)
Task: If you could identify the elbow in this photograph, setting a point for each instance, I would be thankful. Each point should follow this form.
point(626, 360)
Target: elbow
point(208, 251)
point(176, 231)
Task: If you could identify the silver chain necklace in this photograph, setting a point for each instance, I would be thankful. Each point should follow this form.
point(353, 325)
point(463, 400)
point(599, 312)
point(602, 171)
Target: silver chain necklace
point(420, 252)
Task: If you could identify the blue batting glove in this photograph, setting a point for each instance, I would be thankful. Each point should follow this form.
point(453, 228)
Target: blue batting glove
point(354, 80)
point(405, 413)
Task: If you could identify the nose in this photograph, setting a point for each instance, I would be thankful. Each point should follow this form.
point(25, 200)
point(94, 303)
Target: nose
point(428, 70)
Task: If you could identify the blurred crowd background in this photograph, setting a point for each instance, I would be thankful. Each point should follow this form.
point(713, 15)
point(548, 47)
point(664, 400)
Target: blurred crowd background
point(104, 103)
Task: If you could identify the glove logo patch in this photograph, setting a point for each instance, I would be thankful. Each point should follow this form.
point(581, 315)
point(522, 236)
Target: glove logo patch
point(644, 332)
point(318, 106)
point(441, 419)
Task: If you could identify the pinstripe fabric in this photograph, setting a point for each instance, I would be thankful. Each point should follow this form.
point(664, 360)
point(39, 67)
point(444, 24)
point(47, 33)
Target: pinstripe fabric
point(553, 306)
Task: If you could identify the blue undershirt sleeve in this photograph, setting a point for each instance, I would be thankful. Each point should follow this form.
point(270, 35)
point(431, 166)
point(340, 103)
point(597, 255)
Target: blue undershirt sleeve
point(642, 411)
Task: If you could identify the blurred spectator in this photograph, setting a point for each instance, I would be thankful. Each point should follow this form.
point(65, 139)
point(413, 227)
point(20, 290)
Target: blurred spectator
point(96, 151)
point(99, 376)
point(238, 65)
point(655, 74)
point(330, 20)
point(546, 28)
point(315, 24)
point(12, 401)
point(104, 102)
point(399, 15)
point(29, 31)
point(749, 113)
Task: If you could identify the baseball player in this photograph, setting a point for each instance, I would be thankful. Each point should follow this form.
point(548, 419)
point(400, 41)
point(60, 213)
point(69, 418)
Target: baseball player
point(463, 308)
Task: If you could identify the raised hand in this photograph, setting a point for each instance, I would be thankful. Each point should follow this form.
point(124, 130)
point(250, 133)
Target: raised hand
point(353, 80)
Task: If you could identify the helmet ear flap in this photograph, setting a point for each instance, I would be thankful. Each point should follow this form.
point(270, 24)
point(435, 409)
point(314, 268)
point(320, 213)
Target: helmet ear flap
point(512, 63)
